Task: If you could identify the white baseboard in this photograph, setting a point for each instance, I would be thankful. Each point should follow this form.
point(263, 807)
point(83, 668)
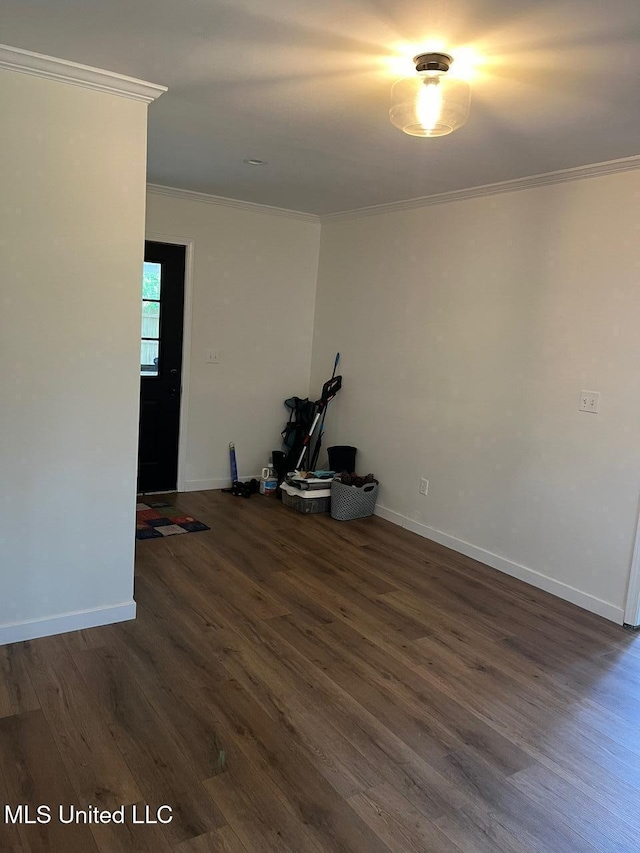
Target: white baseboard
point(16, 632)
point(516, 570)
point(223, 483)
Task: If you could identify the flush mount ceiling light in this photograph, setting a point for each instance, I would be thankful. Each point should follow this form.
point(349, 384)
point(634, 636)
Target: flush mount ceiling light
point(431, 103)
point(250, 161)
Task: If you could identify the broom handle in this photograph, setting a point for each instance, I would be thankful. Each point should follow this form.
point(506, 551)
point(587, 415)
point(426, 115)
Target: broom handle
point(307, 439)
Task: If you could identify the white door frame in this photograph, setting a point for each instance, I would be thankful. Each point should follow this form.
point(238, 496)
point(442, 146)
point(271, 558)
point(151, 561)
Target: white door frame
point(632, 608)
point(189, 245)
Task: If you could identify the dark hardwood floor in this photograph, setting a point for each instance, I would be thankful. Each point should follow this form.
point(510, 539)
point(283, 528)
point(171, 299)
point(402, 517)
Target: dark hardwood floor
point(297, 684)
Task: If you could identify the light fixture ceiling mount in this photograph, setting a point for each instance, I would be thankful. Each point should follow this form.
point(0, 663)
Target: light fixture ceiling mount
point(435, 62)
point(431, 103)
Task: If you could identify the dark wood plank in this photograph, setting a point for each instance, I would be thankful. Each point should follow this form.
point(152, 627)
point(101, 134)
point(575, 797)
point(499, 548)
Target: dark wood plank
point(16, 690)
point(222, 840)
point(402, 827)
point(444, 719)
point(34, 774)
point(373, 615)
point(553, 734)
point(491, 792)
point(582, 814)
point(97, 771)
point(176, 699)
point(130, 837)
point(325, 814)
point(478, 830)
point(397, 713)
point(258, 670)
point(9, 835)
point(151, 749)
point(254, 807)
point(391, 757)
point(168, 636)
point(307, 610)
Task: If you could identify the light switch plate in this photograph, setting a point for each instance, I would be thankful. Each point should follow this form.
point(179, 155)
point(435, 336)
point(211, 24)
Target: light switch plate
point(589, 401)
point(213, 356)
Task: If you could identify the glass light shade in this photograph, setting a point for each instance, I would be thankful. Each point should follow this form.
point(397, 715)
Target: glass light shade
point(429, 105)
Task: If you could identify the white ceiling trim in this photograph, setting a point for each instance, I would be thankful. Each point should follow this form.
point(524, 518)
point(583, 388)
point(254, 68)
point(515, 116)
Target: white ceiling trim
point(39, 65)
point(562, 176)
point(223, 201)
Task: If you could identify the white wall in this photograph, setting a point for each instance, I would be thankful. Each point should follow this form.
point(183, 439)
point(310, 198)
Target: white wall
point(72, 178)
point(254, 279)
point(467, 332)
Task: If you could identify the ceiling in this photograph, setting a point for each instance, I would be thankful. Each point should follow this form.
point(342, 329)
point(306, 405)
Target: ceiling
point(305, 85)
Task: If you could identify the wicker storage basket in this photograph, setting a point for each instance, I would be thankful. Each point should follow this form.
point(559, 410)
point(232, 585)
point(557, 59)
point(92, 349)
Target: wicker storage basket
point(351, 502)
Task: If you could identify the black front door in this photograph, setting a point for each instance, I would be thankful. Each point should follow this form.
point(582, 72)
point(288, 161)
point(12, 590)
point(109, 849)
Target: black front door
point(160, 366)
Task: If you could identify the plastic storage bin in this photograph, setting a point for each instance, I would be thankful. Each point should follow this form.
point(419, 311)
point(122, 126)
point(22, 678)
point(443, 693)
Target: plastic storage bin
point(351, 502)
point(307, 502)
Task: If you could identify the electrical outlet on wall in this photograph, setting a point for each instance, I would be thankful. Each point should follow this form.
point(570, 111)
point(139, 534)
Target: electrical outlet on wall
point(589, 401)
point(424, 487)
point(213, 356)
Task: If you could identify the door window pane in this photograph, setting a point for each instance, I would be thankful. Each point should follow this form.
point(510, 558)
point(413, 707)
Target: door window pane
point(150, 331)
point(149, 358)
point(151, 280)
point(150, 319)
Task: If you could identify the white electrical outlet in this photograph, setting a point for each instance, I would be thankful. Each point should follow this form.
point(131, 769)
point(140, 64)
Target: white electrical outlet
point(424, 486)
point(589, 401)
point(213, 356)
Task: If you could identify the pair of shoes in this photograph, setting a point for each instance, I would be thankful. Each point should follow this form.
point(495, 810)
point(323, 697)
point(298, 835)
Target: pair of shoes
point(243, 490)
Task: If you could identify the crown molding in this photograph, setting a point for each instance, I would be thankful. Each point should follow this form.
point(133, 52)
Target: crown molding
point(610, 167)
point(223, 201)
point(39, 65)
point(562, 176)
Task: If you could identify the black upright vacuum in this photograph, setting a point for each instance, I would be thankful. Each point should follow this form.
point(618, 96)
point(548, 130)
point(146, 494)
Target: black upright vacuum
point(329, 391)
